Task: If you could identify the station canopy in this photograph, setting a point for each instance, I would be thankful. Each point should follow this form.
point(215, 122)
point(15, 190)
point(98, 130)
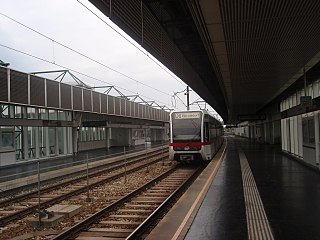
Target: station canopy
point(239, 56)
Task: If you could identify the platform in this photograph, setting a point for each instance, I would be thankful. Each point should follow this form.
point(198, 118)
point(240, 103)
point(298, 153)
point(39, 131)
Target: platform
point(289, 193)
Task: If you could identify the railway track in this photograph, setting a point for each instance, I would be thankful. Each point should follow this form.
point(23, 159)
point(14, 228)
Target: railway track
point(22, 205)
point(31, 188)
point(130, 216)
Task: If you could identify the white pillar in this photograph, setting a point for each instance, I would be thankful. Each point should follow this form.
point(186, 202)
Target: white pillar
point(46, 131)
point(11, 111)
point(129, 137)
point(56, 140)
point(25, 142)
point(108, 135)
point(65, 140)
point(37, 145)
point(75, 135)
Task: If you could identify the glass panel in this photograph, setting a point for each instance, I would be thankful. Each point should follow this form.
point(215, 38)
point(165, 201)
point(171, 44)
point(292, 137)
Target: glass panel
point(61, 140)
point(7, 139)
point(186, 126)
point(68, 116)
point(4, 111)
point(31, 142)
point(52, 141)
point(31, 113)
point(53, 114)
point(61, 115)
point(69, 139)
point(43, 114)
point(18, 113)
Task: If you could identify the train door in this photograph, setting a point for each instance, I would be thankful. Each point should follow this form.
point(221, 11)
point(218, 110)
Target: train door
point(207, 147)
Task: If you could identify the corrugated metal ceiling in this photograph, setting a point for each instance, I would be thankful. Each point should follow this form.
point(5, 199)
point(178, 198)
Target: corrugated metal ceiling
point(264, 44)
point(242, 54)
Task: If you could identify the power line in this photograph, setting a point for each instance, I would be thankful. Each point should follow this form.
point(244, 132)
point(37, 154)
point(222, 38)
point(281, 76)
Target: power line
point(83, 55)
point(178, 80)
point(83, 74)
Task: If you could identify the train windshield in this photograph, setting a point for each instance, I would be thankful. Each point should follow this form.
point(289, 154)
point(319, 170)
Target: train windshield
point(186, 126)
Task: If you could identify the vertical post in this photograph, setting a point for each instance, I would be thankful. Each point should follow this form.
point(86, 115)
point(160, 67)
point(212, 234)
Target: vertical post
point(188, 107)
point(125, 164)
point(25, 142)
point(162, 153)
point(88, 199)
point(39, 198)
point(147, 157)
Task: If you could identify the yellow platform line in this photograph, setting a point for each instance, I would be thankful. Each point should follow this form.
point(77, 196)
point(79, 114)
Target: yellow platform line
point(200, 196)
point(257, 221)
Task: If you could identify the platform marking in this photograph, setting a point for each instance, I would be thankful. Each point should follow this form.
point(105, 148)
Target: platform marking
point(257, 221)
point(205, 187)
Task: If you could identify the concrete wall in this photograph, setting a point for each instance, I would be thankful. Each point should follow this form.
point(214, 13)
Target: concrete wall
point(120, 137)
point(83, 146)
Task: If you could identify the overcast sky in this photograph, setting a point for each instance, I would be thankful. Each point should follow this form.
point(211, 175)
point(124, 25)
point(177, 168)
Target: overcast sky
point(71, 24)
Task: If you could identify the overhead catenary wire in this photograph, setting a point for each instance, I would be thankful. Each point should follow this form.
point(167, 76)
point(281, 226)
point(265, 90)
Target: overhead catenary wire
point(106, 66)
point(81, 54)
point(80, 73)
point(124, 37)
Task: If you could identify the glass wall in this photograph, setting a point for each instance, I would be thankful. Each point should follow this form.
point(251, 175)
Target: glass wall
point(32, 142)
point(32, 131)
point(87, 134)
point(61, 140)
point(52, 141)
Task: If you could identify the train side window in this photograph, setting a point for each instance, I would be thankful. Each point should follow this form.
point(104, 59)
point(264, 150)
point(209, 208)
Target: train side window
point(206, 132)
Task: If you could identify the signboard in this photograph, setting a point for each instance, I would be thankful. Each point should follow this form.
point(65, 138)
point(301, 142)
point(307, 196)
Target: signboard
point(187, 115)
point(251, 117)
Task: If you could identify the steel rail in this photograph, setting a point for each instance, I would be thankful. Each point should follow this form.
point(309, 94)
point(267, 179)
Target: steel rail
point(70, 175)
point(113, 166)
point(6, 219)
point(137, 233)
point(74, 231)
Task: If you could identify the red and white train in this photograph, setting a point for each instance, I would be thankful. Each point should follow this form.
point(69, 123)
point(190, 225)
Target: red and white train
point(194, 135)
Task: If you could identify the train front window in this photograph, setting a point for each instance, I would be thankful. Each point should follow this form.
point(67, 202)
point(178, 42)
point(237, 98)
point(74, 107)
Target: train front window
point(186, 127)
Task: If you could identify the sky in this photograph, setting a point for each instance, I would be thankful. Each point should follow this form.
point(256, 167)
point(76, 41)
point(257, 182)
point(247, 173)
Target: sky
point(46, 30)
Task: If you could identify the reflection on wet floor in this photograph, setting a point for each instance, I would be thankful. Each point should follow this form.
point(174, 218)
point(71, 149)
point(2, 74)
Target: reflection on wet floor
point(290, 193)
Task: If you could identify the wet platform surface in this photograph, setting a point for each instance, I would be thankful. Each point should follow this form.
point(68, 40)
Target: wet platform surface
point(222, 214)
point(289, 192)
point(24, 168)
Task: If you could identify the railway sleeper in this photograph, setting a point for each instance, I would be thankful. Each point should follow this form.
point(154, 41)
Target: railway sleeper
point(139, 206)
point(127, 216)
point(134, 211)
point(152, 202)
point(150, 198)
point(120, 223)
point(103, 234)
